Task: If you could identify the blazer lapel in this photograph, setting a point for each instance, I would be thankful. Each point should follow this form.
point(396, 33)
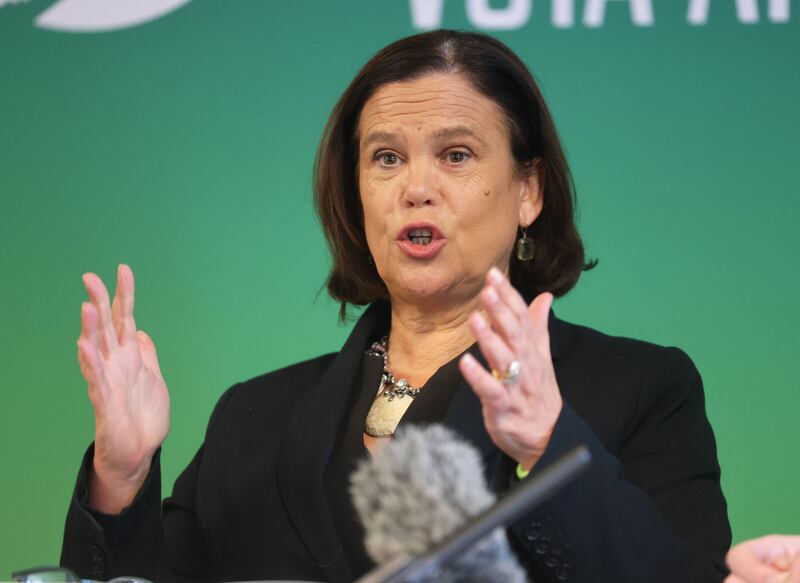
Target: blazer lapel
point(464, 415)
point(308, 442)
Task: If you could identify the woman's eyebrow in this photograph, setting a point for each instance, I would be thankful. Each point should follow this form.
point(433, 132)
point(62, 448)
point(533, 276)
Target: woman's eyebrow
point(446, 132)
point(379, 136)
point(458, 132)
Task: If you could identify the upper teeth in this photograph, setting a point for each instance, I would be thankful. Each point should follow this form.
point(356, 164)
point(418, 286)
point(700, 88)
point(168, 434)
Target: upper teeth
point(420, 233)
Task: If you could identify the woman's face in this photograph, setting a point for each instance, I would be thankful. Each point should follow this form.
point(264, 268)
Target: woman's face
point(442, 199)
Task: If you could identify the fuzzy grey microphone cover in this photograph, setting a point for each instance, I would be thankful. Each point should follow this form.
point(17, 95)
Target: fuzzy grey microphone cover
point(418, 489)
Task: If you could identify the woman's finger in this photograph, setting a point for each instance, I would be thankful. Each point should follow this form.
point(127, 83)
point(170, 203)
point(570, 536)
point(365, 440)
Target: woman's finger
point(539, 311)
point(508, 294)
point(122, 307)
point(747, 565)
point(539, 316)
point(92, 369)
point(88, 344)
point(504, 321)
point(99, 298)
point(492, 394)
point(90, 323)
point(148, 351)
point(85, 370)
point(497, 353)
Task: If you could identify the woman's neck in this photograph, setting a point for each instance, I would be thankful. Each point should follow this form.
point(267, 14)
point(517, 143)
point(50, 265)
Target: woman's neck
point(423, 340)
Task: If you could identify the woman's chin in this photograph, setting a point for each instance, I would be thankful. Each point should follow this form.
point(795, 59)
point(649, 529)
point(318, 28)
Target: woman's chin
point(430, 290)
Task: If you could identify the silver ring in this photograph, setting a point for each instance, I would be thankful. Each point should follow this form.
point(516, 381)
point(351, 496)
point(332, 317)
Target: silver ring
point(510, 375)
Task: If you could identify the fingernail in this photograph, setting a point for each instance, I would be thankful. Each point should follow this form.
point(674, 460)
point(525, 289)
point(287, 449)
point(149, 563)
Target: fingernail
point(495, 276)
point(468, 360)
point(782, 564)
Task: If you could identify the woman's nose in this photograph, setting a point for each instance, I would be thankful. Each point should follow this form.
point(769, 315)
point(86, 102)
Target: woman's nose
point(420, 189)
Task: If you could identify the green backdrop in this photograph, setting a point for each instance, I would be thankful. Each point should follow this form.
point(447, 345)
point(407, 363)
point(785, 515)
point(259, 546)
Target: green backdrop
point(183, 146)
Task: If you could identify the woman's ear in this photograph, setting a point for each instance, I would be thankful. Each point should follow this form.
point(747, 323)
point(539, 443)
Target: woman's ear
point(531, 192)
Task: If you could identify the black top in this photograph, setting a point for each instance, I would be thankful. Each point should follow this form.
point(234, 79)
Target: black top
point(252, 503)
point(429, 406)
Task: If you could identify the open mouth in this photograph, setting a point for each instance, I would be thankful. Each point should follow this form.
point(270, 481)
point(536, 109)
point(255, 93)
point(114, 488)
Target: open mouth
point(420, 236)
point(421, 240)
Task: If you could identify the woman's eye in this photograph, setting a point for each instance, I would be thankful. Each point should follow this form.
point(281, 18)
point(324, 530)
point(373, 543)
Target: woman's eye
point(388, 158)
point(457, 157)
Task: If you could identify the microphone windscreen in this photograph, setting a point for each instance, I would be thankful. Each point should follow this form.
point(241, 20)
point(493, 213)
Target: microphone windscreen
point(420, 488)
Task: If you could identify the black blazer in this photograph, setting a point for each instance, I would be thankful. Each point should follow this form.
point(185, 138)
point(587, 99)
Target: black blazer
point(251, 504)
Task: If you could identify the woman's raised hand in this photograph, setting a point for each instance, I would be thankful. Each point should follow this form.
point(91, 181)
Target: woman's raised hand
point(520, 413)
point(127, 391)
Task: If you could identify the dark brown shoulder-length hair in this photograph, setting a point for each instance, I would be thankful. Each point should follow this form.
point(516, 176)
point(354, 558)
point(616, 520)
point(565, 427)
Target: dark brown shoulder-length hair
point(496, 72)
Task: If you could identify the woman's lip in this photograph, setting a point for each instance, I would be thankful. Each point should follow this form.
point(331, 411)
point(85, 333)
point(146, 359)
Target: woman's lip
point(422, 251)
point(436, 234)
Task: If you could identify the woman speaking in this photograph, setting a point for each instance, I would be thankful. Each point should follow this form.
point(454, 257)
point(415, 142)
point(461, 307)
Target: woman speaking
point(448, 208)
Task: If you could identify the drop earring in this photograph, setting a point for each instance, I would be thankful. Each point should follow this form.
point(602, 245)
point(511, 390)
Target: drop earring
point(524, 246)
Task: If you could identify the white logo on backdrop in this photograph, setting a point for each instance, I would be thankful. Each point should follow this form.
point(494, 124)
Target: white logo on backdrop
point(108, 15)
point(427, 14)
point(101, 15)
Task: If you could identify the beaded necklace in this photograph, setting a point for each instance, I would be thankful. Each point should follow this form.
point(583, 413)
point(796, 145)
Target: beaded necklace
point(385, 413)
